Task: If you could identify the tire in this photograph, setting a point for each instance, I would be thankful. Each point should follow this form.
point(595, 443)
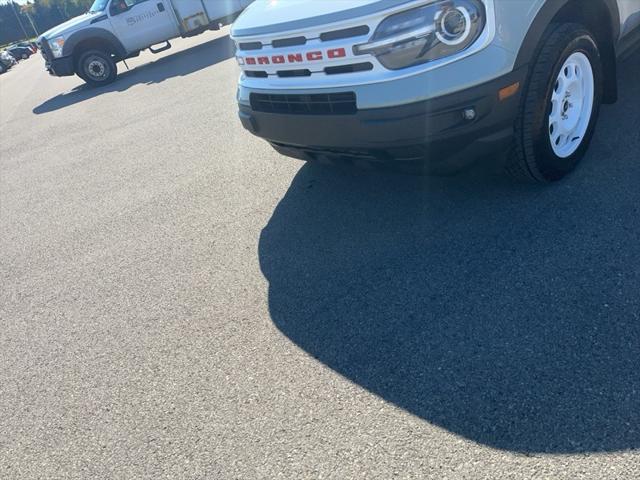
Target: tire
point(25, 56)
point(560, 107)
point(96, 68)
point(2, 68)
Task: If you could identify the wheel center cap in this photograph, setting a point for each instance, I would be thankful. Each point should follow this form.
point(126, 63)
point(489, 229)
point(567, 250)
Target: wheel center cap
point(96, 68)
point(570, 110)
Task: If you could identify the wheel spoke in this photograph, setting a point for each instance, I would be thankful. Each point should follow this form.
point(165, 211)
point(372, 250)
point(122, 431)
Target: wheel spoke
point(556, 116)
point(560, 85)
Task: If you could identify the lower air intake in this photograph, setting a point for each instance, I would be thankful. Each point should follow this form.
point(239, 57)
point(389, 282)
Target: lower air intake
point(316, 104)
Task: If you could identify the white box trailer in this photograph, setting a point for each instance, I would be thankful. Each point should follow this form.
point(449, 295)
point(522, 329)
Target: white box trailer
point(91, 45)
point(196, 15)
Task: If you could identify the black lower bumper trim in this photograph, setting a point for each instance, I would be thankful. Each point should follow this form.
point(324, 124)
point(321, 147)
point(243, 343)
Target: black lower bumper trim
point(436, 130)
point(61, 67)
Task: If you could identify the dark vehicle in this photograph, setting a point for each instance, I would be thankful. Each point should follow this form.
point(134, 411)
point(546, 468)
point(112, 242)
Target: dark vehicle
point(20, 53)
point(30, 45)
point(6, 61)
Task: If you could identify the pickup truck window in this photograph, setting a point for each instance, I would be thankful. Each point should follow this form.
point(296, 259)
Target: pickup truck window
point(120, 6)
point(98, 6)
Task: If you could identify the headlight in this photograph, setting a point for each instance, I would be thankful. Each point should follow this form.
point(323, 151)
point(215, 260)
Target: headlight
point(426, 33)
point(56, 46)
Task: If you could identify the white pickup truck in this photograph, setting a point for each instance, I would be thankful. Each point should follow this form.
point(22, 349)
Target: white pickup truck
point(92, 44)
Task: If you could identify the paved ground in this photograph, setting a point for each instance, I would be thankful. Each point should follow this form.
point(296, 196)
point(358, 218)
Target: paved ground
point(178, 301)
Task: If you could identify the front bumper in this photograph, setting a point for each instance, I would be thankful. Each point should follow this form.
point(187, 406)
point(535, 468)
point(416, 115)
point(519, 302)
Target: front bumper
point(61, 67)
point(434, 132)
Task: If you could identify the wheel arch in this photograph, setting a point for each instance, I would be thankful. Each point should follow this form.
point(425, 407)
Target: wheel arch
point(93, 38)
point(602, 17)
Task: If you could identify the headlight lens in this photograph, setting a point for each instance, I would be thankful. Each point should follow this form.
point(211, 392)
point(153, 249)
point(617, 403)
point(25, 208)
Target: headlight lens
point(56, 46)
point(427, 33)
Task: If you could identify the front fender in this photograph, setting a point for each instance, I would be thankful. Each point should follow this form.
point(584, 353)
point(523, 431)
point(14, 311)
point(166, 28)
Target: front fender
point(552, 9)
point(545, 16)
point(93, 33)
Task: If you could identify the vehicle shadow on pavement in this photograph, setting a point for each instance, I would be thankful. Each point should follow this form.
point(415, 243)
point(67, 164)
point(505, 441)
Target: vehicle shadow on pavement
point(507, 314)
point(179, 64)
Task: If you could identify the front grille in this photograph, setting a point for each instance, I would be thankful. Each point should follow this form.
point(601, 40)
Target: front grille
point(289, 42)
point(315, 104)
point(352, 68)
point(44, 50)
point(345, 33)
point(301, 40)
point(256, 74)
point(305, 72)
point(323, 51)
point(294, 73)
point(250, 46)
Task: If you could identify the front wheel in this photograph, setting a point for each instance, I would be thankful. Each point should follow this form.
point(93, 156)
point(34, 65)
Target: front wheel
point(97, 68)
point(25, 56)
point(560, 108)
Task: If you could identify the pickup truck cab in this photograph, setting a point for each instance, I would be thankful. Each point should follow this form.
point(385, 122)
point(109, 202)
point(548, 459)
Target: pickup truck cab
point(432, 84)
point(92, 44)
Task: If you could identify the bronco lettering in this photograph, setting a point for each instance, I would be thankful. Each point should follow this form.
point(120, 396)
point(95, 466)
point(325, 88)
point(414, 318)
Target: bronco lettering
point(314, 56)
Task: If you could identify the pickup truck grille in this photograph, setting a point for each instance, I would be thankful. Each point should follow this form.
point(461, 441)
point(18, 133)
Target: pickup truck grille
point(45, 51)
point(316, 104)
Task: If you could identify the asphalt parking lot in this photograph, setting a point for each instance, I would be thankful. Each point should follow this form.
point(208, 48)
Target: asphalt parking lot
point(179, 301)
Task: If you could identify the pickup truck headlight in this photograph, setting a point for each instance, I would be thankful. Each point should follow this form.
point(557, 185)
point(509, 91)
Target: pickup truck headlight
point(56, 45)
point(426, 33)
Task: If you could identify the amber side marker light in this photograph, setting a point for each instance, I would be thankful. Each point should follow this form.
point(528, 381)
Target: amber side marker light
point(509, 91)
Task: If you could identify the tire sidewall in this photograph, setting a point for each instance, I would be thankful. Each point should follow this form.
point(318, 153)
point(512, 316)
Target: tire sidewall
point(105, 58)
point(551, 166)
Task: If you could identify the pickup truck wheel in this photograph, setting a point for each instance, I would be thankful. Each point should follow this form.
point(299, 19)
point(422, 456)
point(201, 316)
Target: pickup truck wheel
point(560, 107)
point(96, 68)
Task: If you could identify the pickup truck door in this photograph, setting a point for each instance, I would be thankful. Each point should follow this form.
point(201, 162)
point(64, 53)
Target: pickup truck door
point(138, 24)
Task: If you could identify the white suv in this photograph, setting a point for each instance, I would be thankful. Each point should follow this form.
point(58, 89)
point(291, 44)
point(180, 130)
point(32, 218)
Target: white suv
point(432, 84)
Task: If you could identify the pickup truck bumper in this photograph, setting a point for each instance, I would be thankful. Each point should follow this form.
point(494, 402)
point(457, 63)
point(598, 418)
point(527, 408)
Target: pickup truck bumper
point(439, 133)
point(61, 67)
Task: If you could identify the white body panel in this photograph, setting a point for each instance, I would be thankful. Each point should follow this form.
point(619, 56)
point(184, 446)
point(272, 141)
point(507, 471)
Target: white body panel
point(217, 9)
point(299, 18)
point(493, 55)
point(150, 22)
point(194, 14)
point(155, 21)
point(338, 52)
point(191, 14)
point(145, 24)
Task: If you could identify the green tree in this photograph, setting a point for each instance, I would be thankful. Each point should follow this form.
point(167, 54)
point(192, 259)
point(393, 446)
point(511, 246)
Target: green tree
point(41, 14)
